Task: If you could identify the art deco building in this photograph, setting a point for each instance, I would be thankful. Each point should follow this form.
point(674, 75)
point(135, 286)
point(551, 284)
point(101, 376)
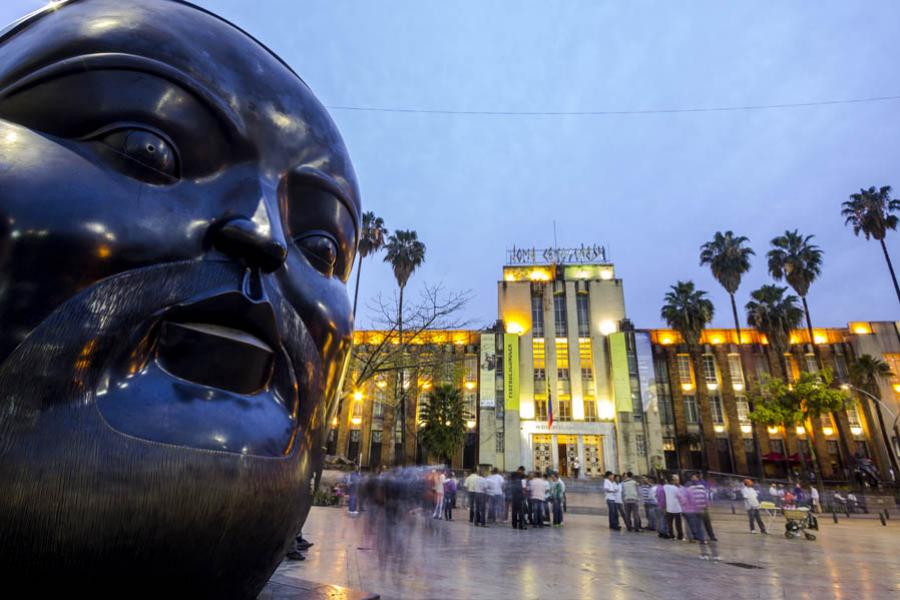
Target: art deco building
point(622, 398)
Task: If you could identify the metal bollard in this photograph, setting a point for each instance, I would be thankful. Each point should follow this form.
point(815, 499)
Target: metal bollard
point(732, 509)
point(882, 519)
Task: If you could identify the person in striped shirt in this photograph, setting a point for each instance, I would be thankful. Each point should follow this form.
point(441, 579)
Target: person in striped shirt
point(694, 500)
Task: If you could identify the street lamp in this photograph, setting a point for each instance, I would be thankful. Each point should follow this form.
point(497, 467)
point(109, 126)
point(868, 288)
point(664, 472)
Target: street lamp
point(891, 450)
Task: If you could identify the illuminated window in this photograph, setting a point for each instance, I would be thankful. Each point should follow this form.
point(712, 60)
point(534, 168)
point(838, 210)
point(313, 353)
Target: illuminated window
point(563, 409)
point(853, 417)
point(663, 392)
point(537, 315)
point(590, 409)
point(559, 315)
point(715, 407)
point(586, 359)
point(735, 370)
point(562, 359)
point(540, 409)
point(709, 370)
point(641, 444)
point(811, 365)
point(537, 349)
point(378, 409)
point(743, 410)
point(685, 375)
point(691, 415)
point(840, 367)
point(669, 444)
point(793, 370)
point(584, 315)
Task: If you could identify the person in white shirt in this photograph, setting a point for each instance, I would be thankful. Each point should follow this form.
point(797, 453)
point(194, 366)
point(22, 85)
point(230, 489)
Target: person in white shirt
point(751, 504)
point(814, 497)
point(482, 490)
point(470, 484)
point(438, 480)
point(538, 491)
point(612, 491)
point(497, 505)
point(673, 508)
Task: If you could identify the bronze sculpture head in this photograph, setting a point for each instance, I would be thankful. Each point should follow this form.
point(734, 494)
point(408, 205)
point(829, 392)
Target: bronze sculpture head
point(178, 219)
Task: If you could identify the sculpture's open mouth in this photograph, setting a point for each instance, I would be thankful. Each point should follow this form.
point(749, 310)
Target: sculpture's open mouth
point(211, 374)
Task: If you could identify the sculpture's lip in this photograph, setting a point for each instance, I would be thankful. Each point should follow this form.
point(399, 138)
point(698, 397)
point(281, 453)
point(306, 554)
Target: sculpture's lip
point(230, 314)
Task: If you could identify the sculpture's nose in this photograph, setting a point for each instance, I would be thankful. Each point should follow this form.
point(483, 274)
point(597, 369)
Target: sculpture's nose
point(241, 239)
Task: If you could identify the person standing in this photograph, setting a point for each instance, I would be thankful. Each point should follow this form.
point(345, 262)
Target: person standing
point(482, 490)
point(497, 503)
point(438, 481)
point(751, 504)
point(576, 467)
point(517, 497)
point(660, 492)
point(673, 508)
point(449, 496)
point(610, 489)
point(700, 493)
point(694, 499)
point(631, 500)
point(814, 499)
point(538, 496)
point(620, 503)
point(648, 499)
point(557, 492)
point(471, 484)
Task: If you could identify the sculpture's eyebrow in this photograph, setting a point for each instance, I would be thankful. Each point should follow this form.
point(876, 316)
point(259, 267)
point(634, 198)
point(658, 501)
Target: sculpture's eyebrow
point(119, 61)
point(318, 179)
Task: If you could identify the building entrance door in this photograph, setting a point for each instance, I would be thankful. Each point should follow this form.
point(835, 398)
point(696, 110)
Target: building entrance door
point(593, 456)
point(567, 453)
point(543, 459)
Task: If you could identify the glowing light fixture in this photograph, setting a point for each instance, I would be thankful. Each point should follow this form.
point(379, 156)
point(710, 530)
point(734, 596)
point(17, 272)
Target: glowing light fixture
point(470, 385)
point(426, 385)
point(607, 327)
point(897, 387)
point(856, 430)
point(606, 274)
point(712, 386)
point(357, 395)
point(737, 386)
point(746, 428)
point(516, 328)
point(539, 275)
point(828, 431)
point(799, 429)
point(716, 339)
point(470, 424)
point(687, 386)
point(719, 428)
point(820, 338)
point(861, 328)
point(356, 420)
point(509, 277)
point(334, 422)
point(606, 411)
point(382, 383)
point(772, 429)
point(666, 340)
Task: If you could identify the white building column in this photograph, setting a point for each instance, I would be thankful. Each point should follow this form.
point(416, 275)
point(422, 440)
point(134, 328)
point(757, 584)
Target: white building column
point(554, 452)
point(581, 456)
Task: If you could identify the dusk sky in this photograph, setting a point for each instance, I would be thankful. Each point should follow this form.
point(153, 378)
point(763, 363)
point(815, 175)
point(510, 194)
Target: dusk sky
point(651, 187)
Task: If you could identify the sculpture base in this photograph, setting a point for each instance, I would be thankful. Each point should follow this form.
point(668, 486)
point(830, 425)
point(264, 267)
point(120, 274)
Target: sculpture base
point(290, 588)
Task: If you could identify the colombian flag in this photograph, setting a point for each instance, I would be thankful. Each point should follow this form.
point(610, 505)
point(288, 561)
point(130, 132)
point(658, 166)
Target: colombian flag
point(549, 411)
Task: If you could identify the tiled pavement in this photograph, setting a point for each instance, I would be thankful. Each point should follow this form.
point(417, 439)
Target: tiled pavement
point(423, 558)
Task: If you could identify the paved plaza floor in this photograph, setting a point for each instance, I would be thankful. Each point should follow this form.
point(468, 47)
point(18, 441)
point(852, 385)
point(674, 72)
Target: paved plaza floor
point(423, 558)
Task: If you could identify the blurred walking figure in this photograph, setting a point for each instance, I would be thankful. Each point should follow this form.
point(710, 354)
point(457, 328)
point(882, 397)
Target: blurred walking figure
point(647, 491)
point(751, 504)
point(496, 500)
point(673, 508)
point(438, 481)
point(517, 494)
point(449, 496)
point(557, 492)
point(538, 495)
point(471, 484)
point(481, 497)
point(814, 499)
point(661, 526)
point(611, 489)
point(353, 492)
point(694, 501)
point(620, 502)
point(631, 500)
point(700, 493)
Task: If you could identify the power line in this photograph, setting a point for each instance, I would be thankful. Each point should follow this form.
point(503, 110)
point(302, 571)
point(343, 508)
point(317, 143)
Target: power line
point(593, 113)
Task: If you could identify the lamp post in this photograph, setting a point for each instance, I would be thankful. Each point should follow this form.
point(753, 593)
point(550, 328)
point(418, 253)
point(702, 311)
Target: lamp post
point(890, 449)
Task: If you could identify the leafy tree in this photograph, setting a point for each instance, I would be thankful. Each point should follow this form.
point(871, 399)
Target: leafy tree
point(780, 404)
point(728, 257)
point(775, 315)
point(869, 213)
point(798, 261)
point(442, 419)
point(405, 253)
point(688, 311)
point(864, 374)
point(371, 240)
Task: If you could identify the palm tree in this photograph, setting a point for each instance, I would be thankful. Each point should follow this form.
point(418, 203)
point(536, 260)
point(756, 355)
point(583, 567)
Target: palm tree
point(371, 240)
point(405, 253)
point(688, 311)
point(443, 418)
point(775, 315)
point(728, 258)
point(797, 261)
point(864, 374)
point(869, 212)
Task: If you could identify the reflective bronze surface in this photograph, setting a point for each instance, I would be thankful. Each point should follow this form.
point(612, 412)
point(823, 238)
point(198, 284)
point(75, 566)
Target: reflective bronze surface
point(178, 218)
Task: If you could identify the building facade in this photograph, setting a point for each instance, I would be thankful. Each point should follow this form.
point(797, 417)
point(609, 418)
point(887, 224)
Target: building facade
point(564, 379)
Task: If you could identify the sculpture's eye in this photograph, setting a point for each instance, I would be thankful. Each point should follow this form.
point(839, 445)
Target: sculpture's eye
point(321, 249)
point(145, 155)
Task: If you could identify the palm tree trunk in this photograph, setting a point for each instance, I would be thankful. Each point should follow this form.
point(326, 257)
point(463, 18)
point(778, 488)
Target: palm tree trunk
point(737, 326)
point(698, 378)
point(809, 329)
point(884, 433)
point(356, 290)
point(402, 458)
point(887, 257)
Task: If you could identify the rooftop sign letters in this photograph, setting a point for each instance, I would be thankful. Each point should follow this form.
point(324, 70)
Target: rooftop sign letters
point(592, 254)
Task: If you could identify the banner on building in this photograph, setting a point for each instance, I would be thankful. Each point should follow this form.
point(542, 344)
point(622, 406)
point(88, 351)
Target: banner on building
point(487, 383)
point(618, 354)
point(511, 371)
point(646, 373)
